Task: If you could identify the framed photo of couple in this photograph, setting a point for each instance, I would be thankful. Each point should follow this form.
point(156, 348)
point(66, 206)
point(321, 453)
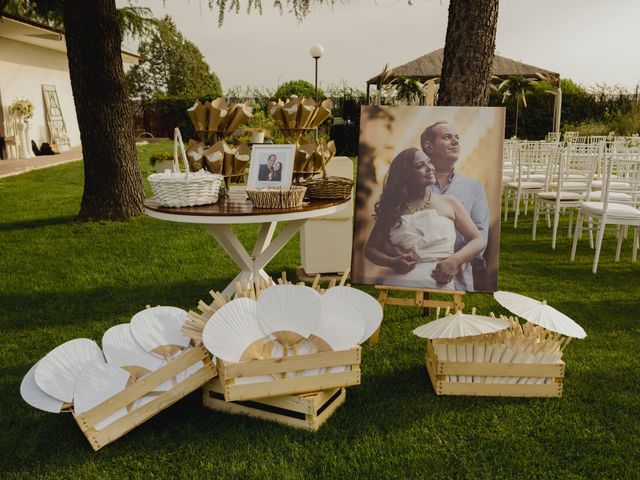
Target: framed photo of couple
point(428, 197)
point(271, 166)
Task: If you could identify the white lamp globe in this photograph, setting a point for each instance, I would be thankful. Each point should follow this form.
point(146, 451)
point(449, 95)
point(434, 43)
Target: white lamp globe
point(316, 50)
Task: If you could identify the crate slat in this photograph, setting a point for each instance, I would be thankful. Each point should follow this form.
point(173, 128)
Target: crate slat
point(307, 411)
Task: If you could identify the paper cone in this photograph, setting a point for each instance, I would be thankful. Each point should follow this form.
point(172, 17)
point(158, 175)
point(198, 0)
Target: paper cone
point(307, 107)
point(214, 156)
point(300, 160)
point(217, 114)
point(231, 113)
point(241, 159)
point(323, 111)
point(198, 115)
point(227, 166)
point(275, 109)
point(243, 112)
point(290, 110)
point(195, 155)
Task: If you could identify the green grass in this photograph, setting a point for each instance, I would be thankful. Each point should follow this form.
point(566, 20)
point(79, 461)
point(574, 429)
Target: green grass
point(61, 279)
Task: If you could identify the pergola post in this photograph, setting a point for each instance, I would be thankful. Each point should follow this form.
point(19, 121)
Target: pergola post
point(557, 108)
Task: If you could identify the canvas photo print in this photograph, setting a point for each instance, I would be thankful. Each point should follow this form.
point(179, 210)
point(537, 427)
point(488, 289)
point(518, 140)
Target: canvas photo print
point(428, 197)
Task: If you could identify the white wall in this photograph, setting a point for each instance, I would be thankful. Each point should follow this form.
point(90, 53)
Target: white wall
point(24, 69)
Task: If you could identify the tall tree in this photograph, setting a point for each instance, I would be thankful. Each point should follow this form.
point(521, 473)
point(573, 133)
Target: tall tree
point(468, 52)
point(171, 65)
point(113, 188)
point(112, 180)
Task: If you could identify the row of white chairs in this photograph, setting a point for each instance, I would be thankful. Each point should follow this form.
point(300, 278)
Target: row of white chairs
point(599, 179)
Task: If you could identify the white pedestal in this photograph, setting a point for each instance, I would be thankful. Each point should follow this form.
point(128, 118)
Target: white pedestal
point(22, 129)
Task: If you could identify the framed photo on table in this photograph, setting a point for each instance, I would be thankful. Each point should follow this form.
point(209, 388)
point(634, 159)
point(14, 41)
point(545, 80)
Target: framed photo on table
point(271, 166)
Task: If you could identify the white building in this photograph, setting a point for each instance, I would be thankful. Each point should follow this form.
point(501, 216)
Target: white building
point(33, 55)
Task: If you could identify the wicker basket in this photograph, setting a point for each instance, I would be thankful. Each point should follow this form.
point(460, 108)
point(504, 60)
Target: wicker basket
point(273, 197)
point(176, 189)
point(331, 187)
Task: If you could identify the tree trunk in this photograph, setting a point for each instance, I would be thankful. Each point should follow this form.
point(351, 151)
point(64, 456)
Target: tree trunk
point(112, 180)
point(516, 122)
point(468, 52)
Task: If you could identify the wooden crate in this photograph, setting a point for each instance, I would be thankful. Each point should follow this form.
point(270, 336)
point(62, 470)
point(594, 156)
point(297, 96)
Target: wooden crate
point(291, 384)
point(307, 411)
point(439, 370)
point(99, 438)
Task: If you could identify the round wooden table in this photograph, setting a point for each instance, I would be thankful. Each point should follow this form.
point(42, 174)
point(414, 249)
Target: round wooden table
point(218, 218)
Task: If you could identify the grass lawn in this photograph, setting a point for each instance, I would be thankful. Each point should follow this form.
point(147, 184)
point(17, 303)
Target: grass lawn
point(61, 280)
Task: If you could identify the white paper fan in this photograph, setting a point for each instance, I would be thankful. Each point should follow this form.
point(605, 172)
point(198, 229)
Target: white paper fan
point(232, 329)
point(460, 325)
point(98, 382)
point(289, 308)
point(341, 326)
point(368, 307)
point(121, 349)
point(57, 372)
point(34, 396)
point(159, 327)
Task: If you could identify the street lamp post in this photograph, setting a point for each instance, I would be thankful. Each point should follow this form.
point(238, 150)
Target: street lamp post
point(316, 52)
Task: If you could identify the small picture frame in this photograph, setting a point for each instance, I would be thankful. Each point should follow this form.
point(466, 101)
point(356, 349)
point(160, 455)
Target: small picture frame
point(271, 166)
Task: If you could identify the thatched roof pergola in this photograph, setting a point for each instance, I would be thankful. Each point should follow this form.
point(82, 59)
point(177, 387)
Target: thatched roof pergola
point(428, 67)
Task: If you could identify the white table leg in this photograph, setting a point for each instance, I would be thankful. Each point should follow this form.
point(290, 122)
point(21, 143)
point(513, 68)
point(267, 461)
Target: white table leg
point(264, 238)
point(263, 251)
point(278, 243)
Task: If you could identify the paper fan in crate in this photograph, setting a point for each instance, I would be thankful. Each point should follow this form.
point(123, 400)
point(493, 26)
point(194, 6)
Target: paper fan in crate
point(290, 313)
point(365, 305)
point(158, 330)
point(97, 383)
point(56, 373)
point(233, 334)
point(34, 396)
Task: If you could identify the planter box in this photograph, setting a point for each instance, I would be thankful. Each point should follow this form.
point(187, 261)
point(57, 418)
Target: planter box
point(99, 438)
point(291, 384)
point(439, 371)
point(307, 411)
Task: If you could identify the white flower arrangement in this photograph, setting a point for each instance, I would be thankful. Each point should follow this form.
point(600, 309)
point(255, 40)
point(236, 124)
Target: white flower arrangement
point(22, 107)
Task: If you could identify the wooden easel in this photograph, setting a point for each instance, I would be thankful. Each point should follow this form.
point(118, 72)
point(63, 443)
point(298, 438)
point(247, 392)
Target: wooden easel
point(422, 299)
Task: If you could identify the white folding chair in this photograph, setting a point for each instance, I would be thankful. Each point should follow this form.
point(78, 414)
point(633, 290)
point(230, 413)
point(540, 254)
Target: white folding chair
point(621, 167)
point(572, 185)
point(532, 175)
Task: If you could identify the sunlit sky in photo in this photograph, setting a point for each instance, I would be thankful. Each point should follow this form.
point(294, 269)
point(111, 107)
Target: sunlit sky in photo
point(589, 41)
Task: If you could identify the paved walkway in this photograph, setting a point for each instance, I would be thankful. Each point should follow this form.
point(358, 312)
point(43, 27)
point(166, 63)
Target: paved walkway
point(9, 168)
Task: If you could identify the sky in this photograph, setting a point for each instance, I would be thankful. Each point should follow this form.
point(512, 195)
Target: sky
point(589, 41)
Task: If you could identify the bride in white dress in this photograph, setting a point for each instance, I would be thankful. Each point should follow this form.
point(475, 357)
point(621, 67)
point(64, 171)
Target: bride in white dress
point(415, 229)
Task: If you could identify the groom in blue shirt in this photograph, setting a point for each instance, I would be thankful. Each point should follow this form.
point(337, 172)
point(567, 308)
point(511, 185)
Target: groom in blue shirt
point(441, 143)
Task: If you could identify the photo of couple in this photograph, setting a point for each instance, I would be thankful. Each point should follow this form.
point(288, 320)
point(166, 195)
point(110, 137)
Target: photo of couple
point(428, 197)
point(271, 171)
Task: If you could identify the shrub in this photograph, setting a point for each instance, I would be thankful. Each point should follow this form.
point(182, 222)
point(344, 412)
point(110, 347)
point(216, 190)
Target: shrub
point(160, 157)
point(301, 88)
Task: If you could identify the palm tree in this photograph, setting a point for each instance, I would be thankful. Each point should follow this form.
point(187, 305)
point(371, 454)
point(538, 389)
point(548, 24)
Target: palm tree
point(518, 88)
point(408, 90)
